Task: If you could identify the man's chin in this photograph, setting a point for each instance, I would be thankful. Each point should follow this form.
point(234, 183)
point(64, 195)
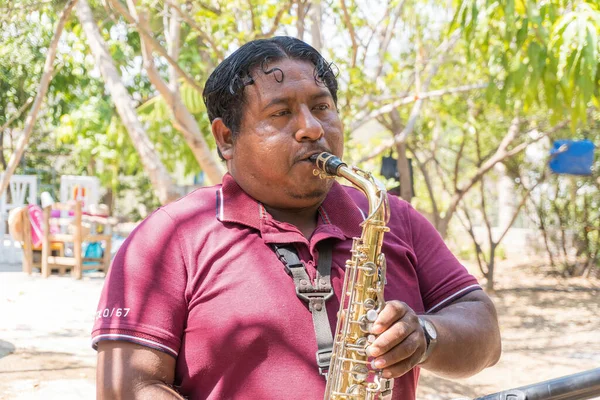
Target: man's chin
point(311, 190)
point(310, 195)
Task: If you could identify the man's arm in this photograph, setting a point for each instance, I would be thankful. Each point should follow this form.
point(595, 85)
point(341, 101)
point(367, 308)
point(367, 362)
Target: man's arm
point(468, 338)
point(130, 371)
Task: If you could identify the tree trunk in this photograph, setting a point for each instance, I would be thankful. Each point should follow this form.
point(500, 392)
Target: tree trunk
point(402, 162)
point(442, 226)
point(182, 119)
point(2, 159)
point(300, 21)
point(490, 273)
point(162, 182)
point(404, 171)
point(39, 98)
point(316, 16)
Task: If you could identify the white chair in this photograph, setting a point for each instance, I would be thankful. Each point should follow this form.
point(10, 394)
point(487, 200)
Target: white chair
point(22, 190)
point(90, 194)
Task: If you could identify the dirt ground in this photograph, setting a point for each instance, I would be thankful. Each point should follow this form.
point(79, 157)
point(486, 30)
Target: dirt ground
point(550, 328)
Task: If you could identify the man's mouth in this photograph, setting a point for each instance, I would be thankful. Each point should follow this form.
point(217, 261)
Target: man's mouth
point(312, 157)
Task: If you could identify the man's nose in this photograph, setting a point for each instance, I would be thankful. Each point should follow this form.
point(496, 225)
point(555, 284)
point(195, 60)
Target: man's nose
point(309, 127)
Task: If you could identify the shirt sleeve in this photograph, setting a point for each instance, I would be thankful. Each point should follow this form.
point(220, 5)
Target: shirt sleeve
point(442, 278)
point(143, 299)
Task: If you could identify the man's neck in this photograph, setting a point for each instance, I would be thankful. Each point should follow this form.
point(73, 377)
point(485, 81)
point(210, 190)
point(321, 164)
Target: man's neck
point(304, 219)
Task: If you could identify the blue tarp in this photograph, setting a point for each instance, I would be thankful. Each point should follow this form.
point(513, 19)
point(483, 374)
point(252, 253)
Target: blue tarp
point(572, 157)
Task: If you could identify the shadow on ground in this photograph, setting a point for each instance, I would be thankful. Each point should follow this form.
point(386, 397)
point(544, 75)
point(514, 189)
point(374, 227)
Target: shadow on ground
point(6, 348)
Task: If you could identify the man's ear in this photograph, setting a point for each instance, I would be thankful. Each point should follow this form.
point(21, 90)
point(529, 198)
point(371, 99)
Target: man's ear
point(223, 137)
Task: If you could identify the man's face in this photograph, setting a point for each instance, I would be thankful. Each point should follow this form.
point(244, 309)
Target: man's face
point(283, 123)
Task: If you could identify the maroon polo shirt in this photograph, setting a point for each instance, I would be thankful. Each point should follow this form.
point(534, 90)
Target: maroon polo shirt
point(198, 280)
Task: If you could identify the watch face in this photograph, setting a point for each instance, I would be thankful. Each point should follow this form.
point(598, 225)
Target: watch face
point(430, 329)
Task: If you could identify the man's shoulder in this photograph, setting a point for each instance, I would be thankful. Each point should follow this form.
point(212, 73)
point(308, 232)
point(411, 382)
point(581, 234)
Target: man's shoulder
point(199, 204)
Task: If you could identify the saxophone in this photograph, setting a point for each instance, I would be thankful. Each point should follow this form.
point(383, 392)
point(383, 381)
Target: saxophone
point(350, 375)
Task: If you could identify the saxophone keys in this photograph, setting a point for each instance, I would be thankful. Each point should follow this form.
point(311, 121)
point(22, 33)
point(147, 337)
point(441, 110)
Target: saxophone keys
point(360, 373)
point(358, 391)
point(361, 346)
point(372, 315)
point(369, 268)
point(369, 304)
point(365, 324)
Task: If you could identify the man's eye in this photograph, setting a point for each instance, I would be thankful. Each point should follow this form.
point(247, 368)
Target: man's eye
point(280, 113)
point(322, 107)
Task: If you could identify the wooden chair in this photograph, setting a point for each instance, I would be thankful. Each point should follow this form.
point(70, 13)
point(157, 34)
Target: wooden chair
point(78, 235)
point(32, 256)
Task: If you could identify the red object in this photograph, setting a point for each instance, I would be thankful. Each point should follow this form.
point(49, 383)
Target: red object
point(36, 217)
point(198, 280)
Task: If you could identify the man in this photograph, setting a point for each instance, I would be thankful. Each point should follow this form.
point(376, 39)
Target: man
point(198, 304)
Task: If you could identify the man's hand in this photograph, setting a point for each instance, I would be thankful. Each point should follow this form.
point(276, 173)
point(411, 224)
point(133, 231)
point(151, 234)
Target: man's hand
point(468, 338)
point(401, 342)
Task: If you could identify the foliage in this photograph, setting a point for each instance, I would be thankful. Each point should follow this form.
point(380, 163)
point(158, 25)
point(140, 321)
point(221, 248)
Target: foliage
point(539, 59)
point(539, 52)
point(566, 211)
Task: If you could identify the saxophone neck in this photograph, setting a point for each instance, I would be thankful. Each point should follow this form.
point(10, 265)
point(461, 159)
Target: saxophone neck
point(330, 165)
point(374, 190)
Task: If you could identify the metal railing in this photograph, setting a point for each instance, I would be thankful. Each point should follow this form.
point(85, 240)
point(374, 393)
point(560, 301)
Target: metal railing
point(580, 386)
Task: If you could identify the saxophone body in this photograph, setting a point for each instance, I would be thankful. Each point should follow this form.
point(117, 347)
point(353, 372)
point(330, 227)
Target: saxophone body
point(350, 375)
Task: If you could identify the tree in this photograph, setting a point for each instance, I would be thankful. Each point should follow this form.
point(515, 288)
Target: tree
point(161, 180)
point(541, 53)
point(37, 103)
point(181, 117)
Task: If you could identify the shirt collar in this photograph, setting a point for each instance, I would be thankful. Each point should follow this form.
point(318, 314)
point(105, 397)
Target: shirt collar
point(338, 208)
point(235, 205)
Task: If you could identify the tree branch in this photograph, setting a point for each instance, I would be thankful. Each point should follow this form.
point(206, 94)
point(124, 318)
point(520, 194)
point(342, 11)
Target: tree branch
point(300, 21)
point(190, 21)
point(517, 211)
point(457, 161)
point(162, 182)
point(156, 46)
point(182, 119)
point(252, 16)
point(17, 114)
point(427, 179)
point(500, 155)
point(351, 31)
point(173, 35)
point(413, 98)
point(316, 20)
point(387, 35)
point(470, 230)
point(15, 158)
point(277, 20)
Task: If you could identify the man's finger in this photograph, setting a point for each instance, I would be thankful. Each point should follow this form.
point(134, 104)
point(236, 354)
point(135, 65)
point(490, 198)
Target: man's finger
point(392, 312)
point(401, 368)
point(406, 349)
point(392, 337)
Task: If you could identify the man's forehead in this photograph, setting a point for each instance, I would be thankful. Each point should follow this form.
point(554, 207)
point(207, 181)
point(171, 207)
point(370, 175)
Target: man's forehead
point(271, 78)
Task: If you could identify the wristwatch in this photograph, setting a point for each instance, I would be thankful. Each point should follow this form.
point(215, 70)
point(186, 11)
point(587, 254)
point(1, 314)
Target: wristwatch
point(430, 336)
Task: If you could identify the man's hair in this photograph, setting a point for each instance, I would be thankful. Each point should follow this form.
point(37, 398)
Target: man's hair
point(224, 90)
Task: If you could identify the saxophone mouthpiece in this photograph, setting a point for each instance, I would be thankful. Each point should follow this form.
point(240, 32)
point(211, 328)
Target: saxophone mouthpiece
point(327, 163)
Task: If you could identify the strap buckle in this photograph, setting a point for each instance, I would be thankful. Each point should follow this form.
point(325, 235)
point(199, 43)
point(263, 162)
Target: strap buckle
point(324, 359)
point(315, 299)
point(288, 267)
